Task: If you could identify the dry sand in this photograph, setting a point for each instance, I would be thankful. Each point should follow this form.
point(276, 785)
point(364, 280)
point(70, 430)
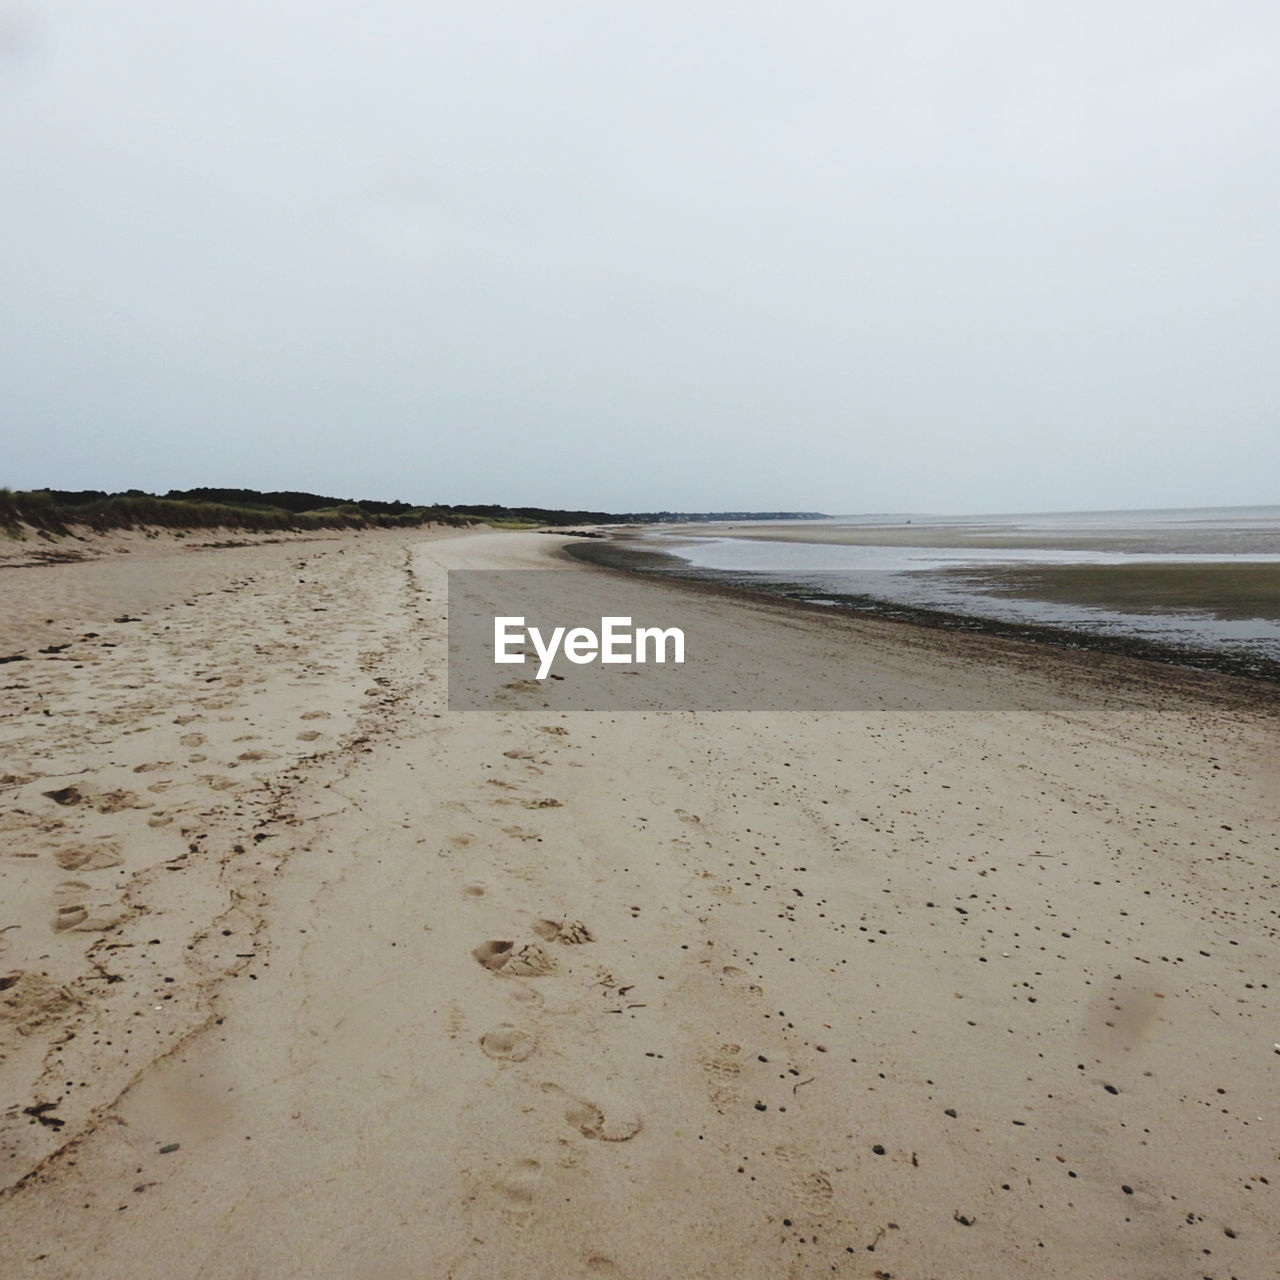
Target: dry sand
point(915, 994)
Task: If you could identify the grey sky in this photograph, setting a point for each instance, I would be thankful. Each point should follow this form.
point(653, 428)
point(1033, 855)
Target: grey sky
point(930, 255)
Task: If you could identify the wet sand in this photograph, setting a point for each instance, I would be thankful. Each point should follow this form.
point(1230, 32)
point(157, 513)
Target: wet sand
point(322, 979)
point(1224, 589)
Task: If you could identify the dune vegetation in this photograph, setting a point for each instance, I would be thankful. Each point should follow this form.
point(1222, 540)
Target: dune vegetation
point(53, 514)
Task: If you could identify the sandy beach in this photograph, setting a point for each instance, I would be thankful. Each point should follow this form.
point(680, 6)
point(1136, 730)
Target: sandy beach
point(305, 975)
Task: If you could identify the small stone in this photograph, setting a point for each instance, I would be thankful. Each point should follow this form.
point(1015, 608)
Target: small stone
point(878, 1149)
point(950, 1111)
point(169, 1148)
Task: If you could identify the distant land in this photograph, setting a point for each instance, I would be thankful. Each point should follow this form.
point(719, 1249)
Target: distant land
point(53, 511)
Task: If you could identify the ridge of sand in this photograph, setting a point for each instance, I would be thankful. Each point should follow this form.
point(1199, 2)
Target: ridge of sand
point(662, 995)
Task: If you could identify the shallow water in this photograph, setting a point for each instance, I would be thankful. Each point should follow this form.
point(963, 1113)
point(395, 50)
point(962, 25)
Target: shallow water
point(921, 561)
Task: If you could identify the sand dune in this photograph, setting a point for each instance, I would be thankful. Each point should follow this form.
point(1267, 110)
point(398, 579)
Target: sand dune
point(317, 978)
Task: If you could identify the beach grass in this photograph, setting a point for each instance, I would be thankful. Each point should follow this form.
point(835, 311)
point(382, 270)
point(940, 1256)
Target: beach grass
point(500, 522)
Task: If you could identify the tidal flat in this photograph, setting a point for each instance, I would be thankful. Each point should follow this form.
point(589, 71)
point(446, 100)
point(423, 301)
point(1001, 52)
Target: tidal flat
point(1228, 591)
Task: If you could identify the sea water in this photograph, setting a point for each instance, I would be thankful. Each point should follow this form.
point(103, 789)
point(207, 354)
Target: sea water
point(920, 560)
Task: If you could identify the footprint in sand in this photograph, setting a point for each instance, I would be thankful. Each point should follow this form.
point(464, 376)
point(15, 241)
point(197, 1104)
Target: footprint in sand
point(65, 796)
point(473, 890)
point(192, 740)
point(520, 833)
point(567, 931)
point(315, 715)
point(724, 1062)
point(547, 803)
point(600, 1265)
point(29, 1001)
point(309, 735)
point(455, 1021)
point(610, 1121)
point(89, 857)
point(508, 1042)
point(71, 912)
point(69, 917)
point(722, 1065)
point(518, 1187)
point(813, 1193)
point(527, 961)
point(152, 766)
point(114, 801)
point(810, 1190)
point(493, 955)
point(102, 801)
point(217, 704)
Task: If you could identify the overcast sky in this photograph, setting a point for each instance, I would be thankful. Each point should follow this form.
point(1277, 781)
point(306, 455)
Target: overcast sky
point(934, 255)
